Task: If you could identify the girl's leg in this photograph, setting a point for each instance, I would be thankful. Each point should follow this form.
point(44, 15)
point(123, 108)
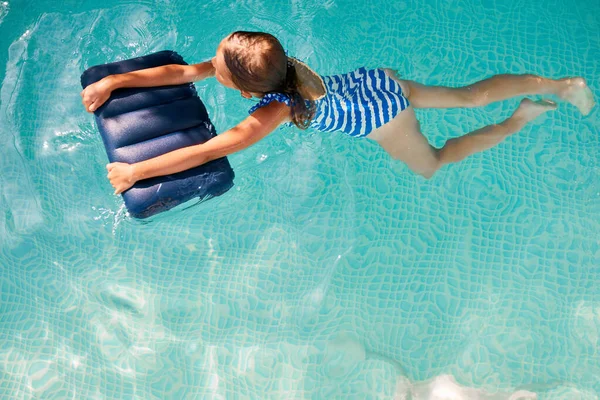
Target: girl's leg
point(403, 140)
point(496, 88)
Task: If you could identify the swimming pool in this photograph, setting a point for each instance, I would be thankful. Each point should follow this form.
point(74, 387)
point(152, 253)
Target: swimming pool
point(329, 271)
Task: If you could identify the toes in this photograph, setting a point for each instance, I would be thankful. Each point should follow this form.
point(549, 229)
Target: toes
point(580, 82)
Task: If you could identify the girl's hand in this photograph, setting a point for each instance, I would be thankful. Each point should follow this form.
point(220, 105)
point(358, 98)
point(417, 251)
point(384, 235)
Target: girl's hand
point(96, 94)
point(121, 176)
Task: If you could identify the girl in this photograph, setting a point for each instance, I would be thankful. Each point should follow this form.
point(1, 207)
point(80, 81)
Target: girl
point(364, 103)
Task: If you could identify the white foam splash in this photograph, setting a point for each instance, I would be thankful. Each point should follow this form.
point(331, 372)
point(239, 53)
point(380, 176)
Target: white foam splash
point(346, 351)
point(444, 387)
point(3, 10)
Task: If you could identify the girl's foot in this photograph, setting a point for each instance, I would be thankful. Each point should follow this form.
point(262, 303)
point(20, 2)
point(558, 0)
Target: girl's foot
point(529, 110)
point(577, 92)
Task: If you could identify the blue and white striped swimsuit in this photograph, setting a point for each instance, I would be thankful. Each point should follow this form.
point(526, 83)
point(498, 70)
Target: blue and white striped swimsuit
point(356, 103)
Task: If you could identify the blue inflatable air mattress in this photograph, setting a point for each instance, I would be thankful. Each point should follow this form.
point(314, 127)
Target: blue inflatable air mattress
point(141, 123)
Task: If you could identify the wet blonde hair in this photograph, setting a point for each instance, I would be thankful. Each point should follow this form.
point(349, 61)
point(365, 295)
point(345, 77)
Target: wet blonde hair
point(258, 64)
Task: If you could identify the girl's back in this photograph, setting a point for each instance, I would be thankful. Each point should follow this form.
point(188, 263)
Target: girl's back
point(354, 103)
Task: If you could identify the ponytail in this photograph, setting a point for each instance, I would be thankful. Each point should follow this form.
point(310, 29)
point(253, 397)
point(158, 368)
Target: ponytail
point(303, 111)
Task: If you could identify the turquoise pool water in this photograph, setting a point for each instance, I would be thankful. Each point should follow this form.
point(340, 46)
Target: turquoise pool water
point(329, 271)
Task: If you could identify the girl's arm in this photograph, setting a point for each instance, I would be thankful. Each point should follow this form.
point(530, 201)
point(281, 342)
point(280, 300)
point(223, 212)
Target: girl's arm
point(162, 76)
point(258, 125)
point(97, 93)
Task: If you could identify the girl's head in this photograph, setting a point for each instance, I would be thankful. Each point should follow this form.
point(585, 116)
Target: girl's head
point(256, 64)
